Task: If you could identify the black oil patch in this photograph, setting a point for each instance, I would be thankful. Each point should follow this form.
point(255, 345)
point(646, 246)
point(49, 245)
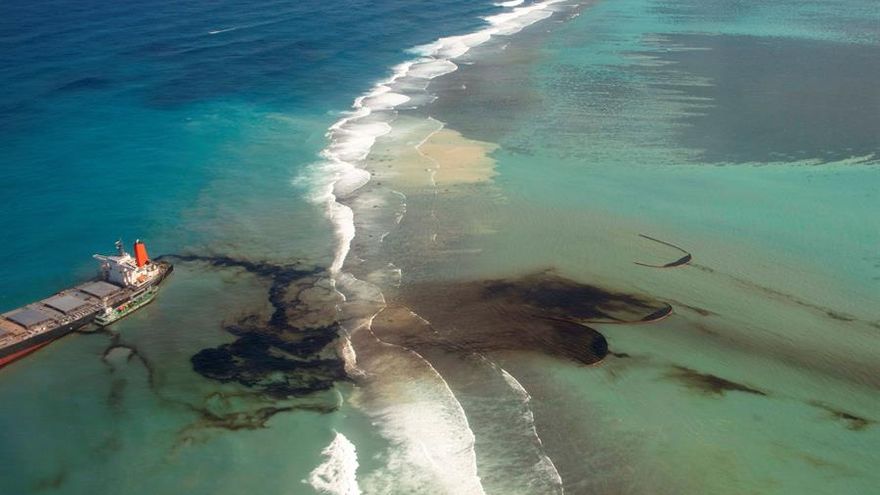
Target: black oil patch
point(567, 299)
point(539, 313)
point(280, 367)
point(291, 354)
point(709, 384)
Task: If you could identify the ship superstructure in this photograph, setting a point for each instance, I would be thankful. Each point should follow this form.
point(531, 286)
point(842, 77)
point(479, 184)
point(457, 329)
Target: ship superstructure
point(124, 279)
point(126, 270)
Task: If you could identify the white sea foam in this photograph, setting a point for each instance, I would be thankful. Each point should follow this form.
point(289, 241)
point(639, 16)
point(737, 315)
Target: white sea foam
point(511, 3)
point(503, 24)
point(545, 464)
point(349, 358)
point(430, 427)
point(429, 68)
point(218, 31)
point(353, 136)
point(343, 220)
point(385, 100)
point(352, 143)
point(350, 182)
point(519, 15)
point(435, 444)
point(337, 475)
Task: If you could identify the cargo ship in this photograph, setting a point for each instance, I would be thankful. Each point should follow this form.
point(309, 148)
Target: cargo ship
point(126, 283)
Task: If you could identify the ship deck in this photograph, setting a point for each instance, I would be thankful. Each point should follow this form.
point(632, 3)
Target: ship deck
point(77, 305)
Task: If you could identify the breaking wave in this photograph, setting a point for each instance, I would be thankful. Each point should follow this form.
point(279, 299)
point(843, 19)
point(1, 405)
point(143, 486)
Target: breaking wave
point(352, 137)
point(434, 445)
point(511, 3)
point(337, 475)
point(545, 465)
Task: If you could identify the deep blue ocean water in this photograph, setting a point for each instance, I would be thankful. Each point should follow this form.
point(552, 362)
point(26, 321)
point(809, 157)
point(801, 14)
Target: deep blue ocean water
point(117, 118)
point(184, 124)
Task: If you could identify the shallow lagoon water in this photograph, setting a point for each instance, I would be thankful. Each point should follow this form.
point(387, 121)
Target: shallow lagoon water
point(609, 129)
point(578, 133)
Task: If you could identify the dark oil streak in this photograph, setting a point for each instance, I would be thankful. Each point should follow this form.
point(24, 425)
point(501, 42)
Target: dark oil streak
point(834, 315)
point(277, 358)
point(853, 422)
point(708, 383)
point(695, 309)
point(303, 360)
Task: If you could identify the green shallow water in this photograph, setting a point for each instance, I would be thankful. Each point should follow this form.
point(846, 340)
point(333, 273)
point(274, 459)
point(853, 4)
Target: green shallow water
point(675, 119)
point(729, 132)
point(143, 424)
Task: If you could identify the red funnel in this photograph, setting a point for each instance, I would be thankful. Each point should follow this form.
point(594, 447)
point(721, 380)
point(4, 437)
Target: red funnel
point(140, 254)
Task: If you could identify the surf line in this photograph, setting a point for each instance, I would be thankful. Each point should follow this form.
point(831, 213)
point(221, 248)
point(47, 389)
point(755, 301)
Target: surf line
point(684, 260)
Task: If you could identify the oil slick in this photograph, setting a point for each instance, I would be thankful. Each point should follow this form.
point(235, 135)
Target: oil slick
point(852, 421)
point(538, 313)
point(709, 384)
point(291, 354)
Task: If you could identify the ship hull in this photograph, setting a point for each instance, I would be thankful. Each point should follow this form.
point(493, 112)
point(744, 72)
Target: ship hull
point(20, 354)
point(21, 349)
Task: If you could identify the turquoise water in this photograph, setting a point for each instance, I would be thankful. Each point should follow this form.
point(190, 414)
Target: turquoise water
point(753, 146)
point(184, 125)
point(744, 132)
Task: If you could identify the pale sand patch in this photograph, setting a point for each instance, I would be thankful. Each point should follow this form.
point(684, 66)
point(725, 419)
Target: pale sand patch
point(421, 154)
point(457, 159)
point(394, 160)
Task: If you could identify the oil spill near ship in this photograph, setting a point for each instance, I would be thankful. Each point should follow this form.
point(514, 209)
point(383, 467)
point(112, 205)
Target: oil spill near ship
point(290, 354)
point(276, 365)
point(538, 313)
point(281, 360)
point(117, 354)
